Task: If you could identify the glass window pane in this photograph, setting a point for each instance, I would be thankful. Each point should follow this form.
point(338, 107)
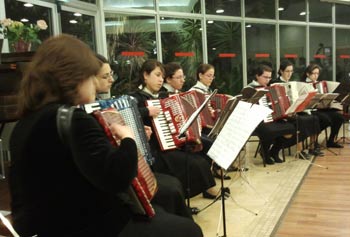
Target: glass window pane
point(181, 6)
point(136, 4)
point(292, 47)
point(16, 11)
point(261, 47)
point(260, 9)
point(182, 43)
point(130, 41)
point(223, 7)
point(225, 54)
point(81, 26)
point(89, 1)
point(343, 55)
point(342, 14)
point(321, 50)
point(320, 11)
point(292, 10)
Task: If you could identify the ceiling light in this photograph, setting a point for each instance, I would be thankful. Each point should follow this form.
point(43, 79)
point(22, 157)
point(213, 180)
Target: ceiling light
point(210, 22)
point(24, 20)
point(248, 26)
point(28, 5)
point(77, 14)
point(281, 8)
point(220, 11)
point(302, 13)
point(73, 21)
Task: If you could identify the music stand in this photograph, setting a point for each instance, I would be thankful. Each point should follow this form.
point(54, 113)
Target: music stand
point(232, 137)
point(346, 103)
point(182, 133)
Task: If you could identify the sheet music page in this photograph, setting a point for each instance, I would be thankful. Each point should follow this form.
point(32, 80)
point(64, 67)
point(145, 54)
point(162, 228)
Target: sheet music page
point(332, 85)
point(236, 131)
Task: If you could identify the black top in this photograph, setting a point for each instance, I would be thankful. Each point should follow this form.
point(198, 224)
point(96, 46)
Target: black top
point(276, 80)
point(56, 193)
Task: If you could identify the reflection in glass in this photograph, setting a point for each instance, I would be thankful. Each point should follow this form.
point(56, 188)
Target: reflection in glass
point(81, 26)
point(223, 7)
point(89, 1)
point(321, 50)
point(182, 43)
point(261, 45)
point(130, 41)
point(342, 14)
point(292, 47)
point(292, 10)
point(17, 11)
point(181, 6)
point(343, 55)
point(320, 11)
point(225, 53)
point(260, 8)
point(135, 4)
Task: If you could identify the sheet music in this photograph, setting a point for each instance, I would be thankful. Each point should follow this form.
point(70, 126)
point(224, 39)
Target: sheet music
point(301, 103)
point(236, 131)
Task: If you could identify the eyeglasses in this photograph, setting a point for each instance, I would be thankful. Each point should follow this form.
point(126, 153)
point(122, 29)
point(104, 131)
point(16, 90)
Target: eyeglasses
point(209, 76)
point(315, 73)
point(179, 77)
point(108, 75)
point(287, 71)
point(266, 77)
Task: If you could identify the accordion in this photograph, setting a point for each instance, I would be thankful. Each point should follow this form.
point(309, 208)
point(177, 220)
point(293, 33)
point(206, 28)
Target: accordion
point(124, 111)
point(277, 100)
point(324, 87)
point(196, 98)
point(175, 110)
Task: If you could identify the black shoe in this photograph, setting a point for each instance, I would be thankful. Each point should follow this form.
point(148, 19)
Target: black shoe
point(269, 161)
point(334, 145)
point(277, 159)
point(217, 175)
point(235, 169)
point(274, 154)
point(208, 195)
point(316, 152)
point(304, 156)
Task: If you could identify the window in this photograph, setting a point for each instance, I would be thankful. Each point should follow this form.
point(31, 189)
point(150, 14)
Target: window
point(292, 10)
point(342, 14)
point(223, 7)
point(80, 25)
point(292, 47)
point(130, 41)
point(135, 4)
point(225, 54)
point(180, 6)
point(320, 11)
point(260, 9)
point(321, 50)
point(343, 55)
point(182, 43)
point(261, 46)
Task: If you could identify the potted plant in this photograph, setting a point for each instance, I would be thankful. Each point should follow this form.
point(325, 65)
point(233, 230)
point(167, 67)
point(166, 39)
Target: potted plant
point(21, 35)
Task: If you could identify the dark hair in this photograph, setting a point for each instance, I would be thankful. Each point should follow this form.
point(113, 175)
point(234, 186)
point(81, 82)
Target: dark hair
point(283, 65)
point(203, 68)
point(58, 67)
point(260, 69)
point(101, 58)
point(308, 70)
point(170, 69)
point(147, 67)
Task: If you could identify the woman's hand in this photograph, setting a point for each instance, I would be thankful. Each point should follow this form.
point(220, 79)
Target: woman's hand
point(148, 131)
point(121, 131)
point(153, 111)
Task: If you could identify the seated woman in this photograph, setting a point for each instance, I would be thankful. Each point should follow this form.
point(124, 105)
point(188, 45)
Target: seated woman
point(191, 169)
point(77, 189)
point(274, 135)
point(327, 117)
point(170, 193)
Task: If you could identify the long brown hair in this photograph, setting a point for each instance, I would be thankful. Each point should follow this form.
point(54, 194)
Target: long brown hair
point(60, 64)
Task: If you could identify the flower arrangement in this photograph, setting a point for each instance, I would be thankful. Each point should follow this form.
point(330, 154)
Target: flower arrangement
point(16, 31)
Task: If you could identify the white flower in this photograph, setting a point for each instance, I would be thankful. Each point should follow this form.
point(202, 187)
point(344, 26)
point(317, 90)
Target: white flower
point(41, 24)
point(6, 22)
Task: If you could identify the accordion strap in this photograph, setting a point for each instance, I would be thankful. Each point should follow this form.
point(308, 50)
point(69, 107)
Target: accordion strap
point(64, 122)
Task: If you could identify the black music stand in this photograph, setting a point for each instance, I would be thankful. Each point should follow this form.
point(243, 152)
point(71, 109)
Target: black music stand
point(247, 116)
point(182, 133)
point(346, 103)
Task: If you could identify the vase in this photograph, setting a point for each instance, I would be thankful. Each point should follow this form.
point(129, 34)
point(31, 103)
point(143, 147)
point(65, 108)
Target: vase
point(21, 46)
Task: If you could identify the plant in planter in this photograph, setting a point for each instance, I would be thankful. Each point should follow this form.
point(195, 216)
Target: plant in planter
point(21, 35)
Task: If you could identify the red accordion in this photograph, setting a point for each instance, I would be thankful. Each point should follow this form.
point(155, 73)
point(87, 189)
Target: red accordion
point(144, 185)
point(277, 100)
point(175, 110)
